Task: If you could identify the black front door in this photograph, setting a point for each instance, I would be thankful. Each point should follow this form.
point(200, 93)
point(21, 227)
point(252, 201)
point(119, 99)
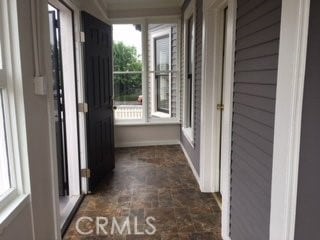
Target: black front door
point(58, 95)
point(98, 77)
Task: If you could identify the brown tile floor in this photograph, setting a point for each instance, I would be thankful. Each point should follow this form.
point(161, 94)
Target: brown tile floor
point(152, 181)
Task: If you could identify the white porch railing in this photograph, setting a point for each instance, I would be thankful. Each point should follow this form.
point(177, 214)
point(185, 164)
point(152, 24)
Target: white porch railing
point(128, 112)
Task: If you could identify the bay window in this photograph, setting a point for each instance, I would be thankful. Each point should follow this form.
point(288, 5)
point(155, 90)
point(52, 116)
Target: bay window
point(146, 76)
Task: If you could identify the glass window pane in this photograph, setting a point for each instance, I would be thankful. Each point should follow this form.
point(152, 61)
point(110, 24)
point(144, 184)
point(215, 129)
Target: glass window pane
point(163, 93)
point(127, 88)
point(127, 44)
point(4, 164)
point(162, 53)
point(128, 95)
point(190, 45)
point(127, 78)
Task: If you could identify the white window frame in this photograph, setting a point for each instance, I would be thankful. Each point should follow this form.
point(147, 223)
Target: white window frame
point(154, 99)
point(6, 91)
point(189, 131)
point(146, 119)
point(10, 85)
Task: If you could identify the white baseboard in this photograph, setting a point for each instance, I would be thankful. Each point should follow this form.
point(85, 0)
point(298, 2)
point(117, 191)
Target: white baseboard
point(226, 238)
point(148, 143)
point(196, 175)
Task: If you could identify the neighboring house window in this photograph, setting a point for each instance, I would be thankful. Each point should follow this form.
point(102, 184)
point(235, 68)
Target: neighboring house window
point(163, 45)
point(189, 68)
point(162, 77)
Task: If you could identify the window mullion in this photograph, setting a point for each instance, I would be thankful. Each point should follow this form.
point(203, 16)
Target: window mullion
point(127, 72)
point(145, 72)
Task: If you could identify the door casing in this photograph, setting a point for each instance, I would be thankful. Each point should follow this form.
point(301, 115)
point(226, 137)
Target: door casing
point(212, 51)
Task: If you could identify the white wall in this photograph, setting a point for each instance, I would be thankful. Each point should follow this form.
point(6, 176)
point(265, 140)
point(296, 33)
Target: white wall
point(38, 133)
point(146, 12)
point(146, 135)
point(96, 8)
point(21, 228)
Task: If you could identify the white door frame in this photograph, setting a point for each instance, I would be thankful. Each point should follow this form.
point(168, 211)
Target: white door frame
point(71, 101)
point(211, 90)
point(80, 83)
point(289, 99)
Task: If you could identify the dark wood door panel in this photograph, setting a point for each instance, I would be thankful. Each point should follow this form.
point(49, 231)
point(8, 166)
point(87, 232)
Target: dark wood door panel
point(98, 73)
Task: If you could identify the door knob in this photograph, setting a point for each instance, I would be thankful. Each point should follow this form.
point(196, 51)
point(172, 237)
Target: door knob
point(114, 107)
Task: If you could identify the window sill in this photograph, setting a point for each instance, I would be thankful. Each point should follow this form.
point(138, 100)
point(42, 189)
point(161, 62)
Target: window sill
point(188, 133)
point(160, 115)
point(12, 210)
point(152, 122)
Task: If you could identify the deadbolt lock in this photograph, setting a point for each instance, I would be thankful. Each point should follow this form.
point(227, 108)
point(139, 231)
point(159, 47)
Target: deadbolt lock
point(220, 107)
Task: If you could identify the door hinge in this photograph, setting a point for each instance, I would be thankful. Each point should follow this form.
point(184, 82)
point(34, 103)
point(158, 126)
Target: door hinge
point(56, 23)
point(83, 107)
point(220, 107)
point(85, 173)
point(82, 37)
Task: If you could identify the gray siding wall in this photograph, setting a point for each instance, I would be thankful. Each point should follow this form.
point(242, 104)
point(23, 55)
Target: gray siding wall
point(151, 29)
point(308, 203)
point(256, 63)
point(194, 152)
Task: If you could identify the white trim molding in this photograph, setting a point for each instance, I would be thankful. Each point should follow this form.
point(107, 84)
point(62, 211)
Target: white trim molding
point(212, 50)
point(212, 54)
point(148, 143)
point(289, 98)
point(188, 131)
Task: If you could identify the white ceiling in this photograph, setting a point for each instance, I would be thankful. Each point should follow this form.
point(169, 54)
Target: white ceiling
point(140, 4)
